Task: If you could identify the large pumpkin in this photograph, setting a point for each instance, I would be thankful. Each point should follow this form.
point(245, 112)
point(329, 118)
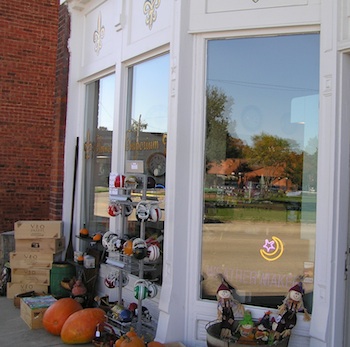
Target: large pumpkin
point(80, 327)
point(55, 316)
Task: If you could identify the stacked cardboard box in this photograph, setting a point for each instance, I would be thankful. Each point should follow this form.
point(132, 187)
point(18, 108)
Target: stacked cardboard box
point(37, 245)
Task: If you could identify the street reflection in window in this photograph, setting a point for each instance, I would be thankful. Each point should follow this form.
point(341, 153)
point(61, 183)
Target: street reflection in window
point(260, 182)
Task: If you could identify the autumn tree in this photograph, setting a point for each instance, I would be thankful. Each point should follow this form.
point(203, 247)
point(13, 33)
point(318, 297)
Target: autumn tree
point(218, 112)
point(271, 153)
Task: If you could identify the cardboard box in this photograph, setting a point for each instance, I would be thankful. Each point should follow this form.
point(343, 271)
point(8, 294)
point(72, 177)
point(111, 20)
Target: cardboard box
point(38, 229)
point(33, 308)
point(52, 246)
point(14, 289)
point(28, 260)
point(32, 275)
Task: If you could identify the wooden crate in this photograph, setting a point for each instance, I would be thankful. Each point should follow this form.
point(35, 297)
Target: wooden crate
point(14, 289)
point(32, 275)
point(28, 260)
point(38, 229)
point(33, 309)
point(52, 245)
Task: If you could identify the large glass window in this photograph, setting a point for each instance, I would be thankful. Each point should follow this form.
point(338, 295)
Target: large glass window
point(146, 137)
point(98, 152)
point(260, 181)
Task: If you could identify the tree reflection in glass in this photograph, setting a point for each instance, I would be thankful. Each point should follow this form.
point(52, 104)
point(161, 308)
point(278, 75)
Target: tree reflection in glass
point(260, 180)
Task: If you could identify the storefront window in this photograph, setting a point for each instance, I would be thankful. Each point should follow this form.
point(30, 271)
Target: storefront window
point(98, 152)
point(260, 181)
point(146, 143)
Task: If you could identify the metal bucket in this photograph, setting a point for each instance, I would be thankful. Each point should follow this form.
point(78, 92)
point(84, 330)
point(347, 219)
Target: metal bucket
point(214, 340)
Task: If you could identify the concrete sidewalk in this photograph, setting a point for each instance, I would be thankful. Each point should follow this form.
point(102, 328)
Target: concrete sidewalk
point(14, 332)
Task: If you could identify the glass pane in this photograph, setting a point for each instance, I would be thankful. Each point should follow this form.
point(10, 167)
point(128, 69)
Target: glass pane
point(146, 141)
point(260, 181)
point(98, 151)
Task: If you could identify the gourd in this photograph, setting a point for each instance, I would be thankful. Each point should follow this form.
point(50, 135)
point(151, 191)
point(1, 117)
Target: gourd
point(80, 327)
point(56, 315)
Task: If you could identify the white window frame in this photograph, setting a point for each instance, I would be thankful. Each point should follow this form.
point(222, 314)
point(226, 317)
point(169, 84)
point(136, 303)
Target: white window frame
point(202, 311)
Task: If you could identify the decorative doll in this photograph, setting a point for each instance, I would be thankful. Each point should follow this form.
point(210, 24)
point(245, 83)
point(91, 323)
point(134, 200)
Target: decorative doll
point(263, 329)
point(287, 312)
point(226, 305)
point(246, 326)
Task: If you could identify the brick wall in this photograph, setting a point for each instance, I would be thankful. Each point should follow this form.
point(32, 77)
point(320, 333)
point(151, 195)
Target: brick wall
point(60, 111)
point(32, 118)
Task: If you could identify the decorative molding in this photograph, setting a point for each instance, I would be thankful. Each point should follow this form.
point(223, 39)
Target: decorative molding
point(99, 34)
point(149, 9)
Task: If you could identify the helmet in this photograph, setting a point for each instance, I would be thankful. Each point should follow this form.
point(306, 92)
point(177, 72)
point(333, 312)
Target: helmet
point(119, 181)
point(142, 210)
point(107, 237)
point(125, 316)
point(145, 315)
point(153, 252)
point(112, 244)
point(151, 182)
point(127, 247)
point(133, 307)
point(131, 182)
point(128, 208)
point(114, 210)
point(110, 280)
point(139, 248)
point(119, 243)
point(155, 214)
point(141, 290)
point(152, 290)
point(125, 279)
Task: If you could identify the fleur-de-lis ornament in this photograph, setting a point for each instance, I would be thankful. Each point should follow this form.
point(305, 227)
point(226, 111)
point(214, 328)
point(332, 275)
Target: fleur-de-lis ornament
point(99, 34)
point(149, 9)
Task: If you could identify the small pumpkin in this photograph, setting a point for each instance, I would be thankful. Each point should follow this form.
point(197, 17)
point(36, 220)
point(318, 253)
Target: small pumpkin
point(97, 237)
point(80, 327)
point(155, 344)
point(84, 232)
point(133, 341)
point(57, 313)
point(119, 342)
point(131, 332)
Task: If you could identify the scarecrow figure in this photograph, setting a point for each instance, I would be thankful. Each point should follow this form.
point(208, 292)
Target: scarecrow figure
point(287, 312)
point(226, 304)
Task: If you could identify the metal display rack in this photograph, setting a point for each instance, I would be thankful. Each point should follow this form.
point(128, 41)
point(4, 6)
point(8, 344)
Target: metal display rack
point(129, 264)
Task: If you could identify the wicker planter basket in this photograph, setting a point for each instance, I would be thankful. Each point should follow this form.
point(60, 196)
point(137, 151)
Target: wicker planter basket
point(214, 340)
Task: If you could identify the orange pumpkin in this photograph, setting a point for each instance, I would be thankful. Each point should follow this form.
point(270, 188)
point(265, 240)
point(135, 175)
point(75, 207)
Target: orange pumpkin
point(131, 332)
point(55, 316)
point(133, 341)
point(80, 327)
point(155, 344)
point(119, 342)
point(84, 232)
